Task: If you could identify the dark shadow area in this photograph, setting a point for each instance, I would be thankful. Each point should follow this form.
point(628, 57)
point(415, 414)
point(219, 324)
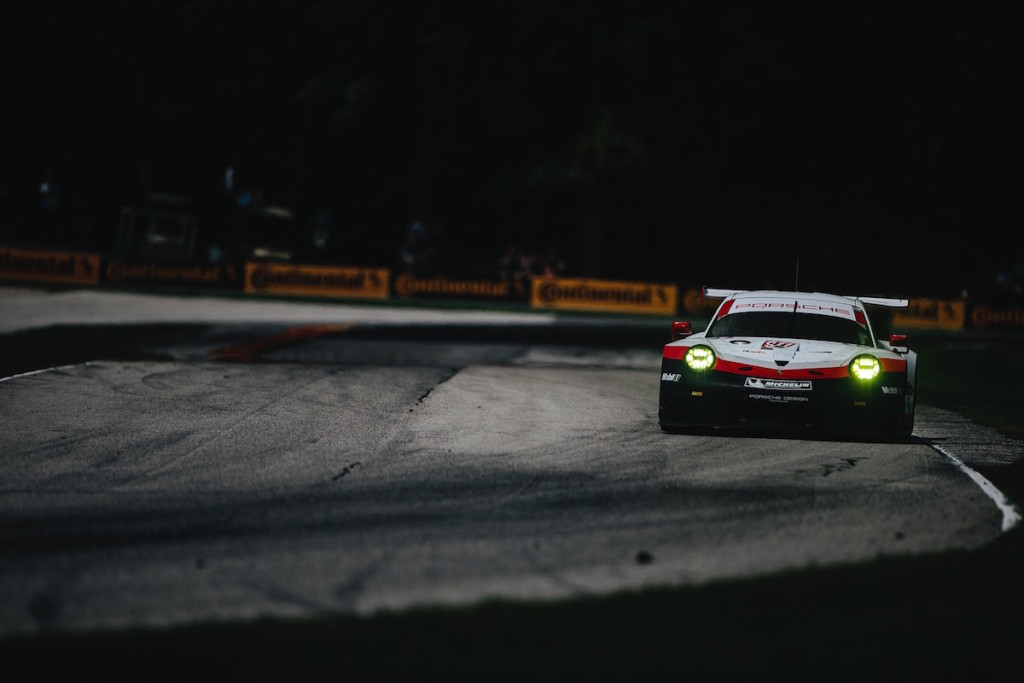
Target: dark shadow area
point(580, 332)
point(881, 148)
point(68, 344)
point(789, 433)
point(938, 618)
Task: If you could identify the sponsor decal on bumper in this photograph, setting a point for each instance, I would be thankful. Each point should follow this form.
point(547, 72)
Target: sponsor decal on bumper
point(777, 384)
point(773, 398)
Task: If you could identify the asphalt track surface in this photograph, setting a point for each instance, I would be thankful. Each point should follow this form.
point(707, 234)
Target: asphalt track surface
point(303, 459)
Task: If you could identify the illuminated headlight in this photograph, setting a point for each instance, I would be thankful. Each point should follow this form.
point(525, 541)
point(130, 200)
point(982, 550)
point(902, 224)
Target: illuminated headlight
point(699, 358)
point(865, 367)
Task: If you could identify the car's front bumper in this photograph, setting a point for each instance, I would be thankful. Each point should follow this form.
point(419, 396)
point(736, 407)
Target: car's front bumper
point(837, 404)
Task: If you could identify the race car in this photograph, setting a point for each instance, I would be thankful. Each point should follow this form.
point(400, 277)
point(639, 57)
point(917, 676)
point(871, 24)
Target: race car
point(801, 361)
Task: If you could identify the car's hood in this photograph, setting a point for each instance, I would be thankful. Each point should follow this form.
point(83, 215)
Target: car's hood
point(777, 352)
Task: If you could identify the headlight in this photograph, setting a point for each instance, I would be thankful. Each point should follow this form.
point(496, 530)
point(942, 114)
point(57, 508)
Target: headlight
point(865, 367)
point(700, 358)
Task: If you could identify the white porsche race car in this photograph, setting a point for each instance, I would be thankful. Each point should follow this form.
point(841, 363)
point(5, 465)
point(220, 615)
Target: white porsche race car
point(791, 360)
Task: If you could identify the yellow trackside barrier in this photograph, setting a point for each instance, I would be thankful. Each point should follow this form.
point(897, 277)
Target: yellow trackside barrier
point(604, 295)
point(120, 271)
point(49, 266)
point(932, 314)
point(408, 286)
point(997, 316)
point(695, 303)
point(326, 281)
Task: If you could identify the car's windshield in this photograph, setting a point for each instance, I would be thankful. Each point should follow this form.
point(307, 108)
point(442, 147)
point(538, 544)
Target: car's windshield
point(792, 325)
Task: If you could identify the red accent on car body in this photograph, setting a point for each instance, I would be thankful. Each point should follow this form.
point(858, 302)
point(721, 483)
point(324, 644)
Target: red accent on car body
point(828, 372)
point(681, 329)
point(748, 370)
point(674, 352)
point(893, 364)
point(899, 340)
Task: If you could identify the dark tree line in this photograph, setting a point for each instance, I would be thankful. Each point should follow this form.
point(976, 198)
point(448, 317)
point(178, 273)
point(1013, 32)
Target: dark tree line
point(660, 139)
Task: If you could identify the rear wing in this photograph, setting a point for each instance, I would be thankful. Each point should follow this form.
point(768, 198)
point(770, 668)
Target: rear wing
point(720, 293)
point(882, 301)
point(870, 300)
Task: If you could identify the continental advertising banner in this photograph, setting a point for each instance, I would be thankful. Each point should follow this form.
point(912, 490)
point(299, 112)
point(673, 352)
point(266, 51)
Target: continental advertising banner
point(49, 266)
point(695, 303)
point(604, 295)
point(932, 314)
point(326, 281)
point(121, 271)
point(997, 316)
point(410, 286)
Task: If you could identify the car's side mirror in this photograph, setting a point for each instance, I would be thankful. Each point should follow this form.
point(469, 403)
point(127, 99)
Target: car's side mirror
point(680, 329)
point(900, 343)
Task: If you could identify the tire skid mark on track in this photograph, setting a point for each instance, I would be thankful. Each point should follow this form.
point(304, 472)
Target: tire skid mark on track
point(228, 427)
point(452, 372)
point(251, 351)
point(841, 466)
point(348, 468)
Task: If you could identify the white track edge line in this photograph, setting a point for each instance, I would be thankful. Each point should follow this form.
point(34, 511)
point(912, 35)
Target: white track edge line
point(39, 372)
point(1010, 515)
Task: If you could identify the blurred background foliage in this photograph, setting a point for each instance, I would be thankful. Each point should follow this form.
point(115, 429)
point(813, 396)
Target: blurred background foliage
point(692, 142)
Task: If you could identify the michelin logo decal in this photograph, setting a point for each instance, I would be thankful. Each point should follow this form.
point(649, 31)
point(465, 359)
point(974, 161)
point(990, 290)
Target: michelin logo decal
point(778, 384)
